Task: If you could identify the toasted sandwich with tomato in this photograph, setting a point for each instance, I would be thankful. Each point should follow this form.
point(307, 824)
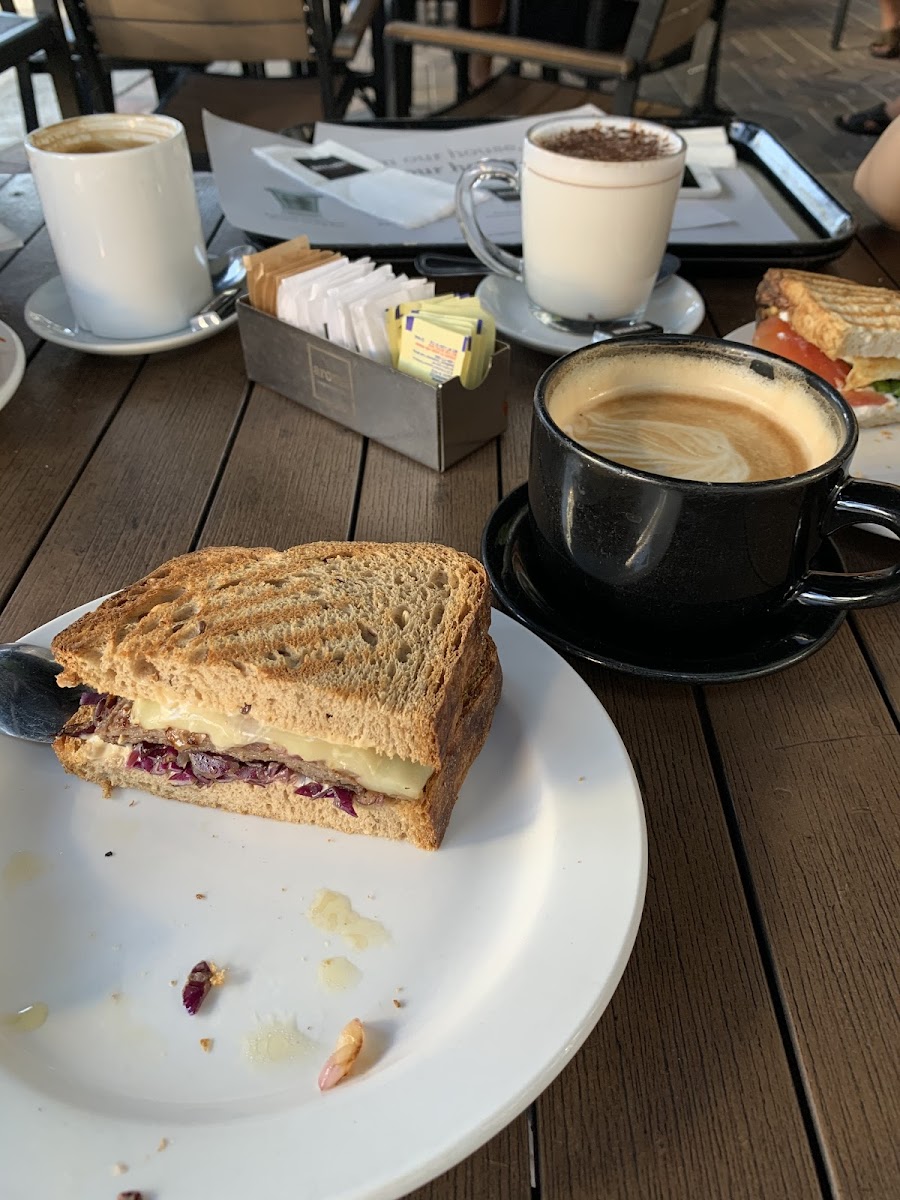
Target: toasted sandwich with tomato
point(846, 333)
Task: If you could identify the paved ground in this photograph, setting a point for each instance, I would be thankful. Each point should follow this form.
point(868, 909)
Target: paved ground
point(777, 68)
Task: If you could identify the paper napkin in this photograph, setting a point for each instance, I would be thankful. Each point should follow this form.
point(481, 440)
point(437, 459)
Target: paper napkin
point(364, 183)
point(709, 147)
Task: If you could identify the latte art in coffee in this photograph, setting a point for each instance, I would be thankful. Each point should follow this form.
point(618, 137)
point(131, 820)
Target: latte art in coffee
point(690, 437)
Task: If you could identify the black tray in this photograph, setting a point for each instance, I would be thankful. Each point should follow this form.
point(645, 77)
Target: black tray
point(830, 225)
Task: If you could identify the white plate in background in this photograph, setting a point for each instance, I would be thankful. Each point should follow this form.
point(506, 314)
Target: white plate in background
point(507, 944)
point(12, 362)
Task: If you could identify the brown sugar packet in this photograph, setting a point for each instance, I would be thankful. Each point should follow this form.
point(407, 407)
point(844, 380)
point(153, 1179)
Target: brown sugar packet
point(259, 264)
point(266, 269)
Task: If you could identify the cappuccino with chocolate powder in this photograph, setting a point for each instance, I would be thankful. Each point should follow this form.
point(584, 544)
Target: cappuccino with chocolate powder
point(597, 200)
point(604, 143)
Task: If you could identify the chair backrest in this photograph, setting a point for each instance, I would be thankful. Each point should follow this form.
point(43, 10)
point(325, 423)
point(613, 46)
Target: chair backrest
point(199, 31)
point(665, 30)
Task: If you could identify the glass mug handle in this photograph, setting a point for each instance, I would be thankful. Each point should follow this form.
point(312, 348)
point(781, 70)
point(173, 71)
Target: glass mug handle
point(858, 502)
point(482, 247)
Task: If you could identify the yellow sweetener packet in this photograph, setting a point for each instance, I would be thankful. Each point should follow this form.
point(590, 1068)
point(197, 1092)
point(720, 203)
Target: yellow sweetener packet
point(482, 326)
point(474, 364)
point(431, 350)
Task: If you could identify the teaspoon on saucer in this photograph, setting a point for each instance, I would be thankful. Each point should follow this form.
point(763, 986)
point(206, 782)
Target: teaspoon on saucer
point(229, 280)
point(31, 705)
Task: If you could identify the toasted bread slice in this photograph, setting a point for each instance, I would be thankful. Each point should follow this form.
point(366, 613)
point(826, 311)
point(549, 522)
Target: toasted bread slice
point(422, 822)
point(356, 643)
point(844, 319)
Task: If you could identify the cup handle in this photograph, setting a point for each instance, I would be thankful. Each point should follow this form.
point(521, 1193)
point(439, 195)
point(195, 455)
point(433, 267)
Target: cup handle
point(482, 247)
point(858, 502)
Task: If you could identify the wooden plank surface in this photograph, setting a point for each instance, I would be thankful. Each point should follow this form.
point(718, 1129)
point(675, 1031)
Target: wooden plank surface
point(401, 500)
point(291, 477)
point(683, 1089)
point(142, 495)
point(47, 432)
point(811, 762)
point(879, 628)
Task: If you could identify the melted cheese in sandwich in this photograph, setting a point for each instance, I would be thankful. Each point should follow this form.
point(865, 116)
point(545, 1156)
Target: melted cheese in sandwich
point(375, 772)
point(94, 747)
point(864, 371)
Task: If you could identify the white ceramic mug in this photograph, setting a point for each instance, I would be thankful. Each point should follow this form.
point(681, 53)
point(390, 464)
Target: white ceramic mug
point(118, 196)
point(593, 231)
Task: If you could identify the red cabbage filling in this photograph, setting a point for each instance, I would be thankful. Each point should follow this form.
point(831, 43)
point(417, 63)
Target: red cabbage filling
point(202, 768)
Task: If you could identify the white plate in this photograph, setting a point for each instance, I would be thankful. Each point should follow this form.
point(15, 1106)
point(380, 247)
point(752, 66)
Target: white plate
point(508, 944)
point(49, 315)
point(877, 452)
point(675, 304)
point(12, 362)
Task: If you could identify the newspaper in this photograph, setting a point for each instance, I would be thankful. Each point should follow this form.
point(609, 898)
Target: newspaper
point(261, 199)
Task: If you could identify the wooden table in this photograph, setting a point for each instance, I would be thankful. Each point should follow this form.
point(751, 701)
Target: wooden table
point(751, 1050)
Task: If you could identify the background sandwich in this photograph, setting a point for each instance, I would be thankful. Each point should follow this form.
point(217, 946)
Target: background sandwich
point(344, 684)
point(844, 332)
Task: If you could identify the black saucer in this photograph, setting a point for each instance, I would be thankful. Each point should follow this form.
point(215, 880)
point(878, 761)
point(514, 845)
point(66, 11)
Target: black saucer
point(506, 552)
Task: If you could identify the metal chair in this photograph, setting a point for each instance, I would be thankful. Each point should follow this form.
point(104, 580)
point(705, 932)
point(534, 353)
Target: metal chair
point(179, 41)
point(23, 39)
point(662, 35)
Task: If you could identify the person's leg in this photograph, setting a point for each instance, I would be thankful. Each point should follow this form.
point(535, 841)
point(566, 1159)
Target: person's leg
point(487, 13)
point(888, 44)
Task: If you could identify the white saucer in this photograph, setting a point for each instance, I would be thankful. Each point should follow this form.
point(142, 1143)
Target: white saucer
point(878, 450)
point(675, 304)
point(12, 362)
point(49, 315)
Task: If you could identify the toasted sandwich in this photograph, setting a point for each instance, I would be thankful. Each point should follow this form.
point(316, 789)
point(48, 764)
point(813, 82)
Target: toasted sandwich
point(344, 684)
point(846, 333)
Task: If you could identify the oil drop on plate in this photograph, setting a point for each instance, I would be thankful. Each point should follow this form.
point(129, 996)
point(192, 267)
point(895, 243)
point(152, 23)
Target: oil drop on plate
point(275, 1041)
point(26, 1020)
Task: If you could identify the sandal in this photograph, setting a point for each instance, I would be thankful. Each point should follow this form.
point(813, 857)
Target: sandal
point(870, 122)
point(887, 45)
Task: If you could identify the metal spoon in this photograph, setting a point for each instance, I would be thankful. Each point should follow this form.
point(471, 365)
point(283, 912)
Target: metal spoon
point(31, 705)
point(228, 275)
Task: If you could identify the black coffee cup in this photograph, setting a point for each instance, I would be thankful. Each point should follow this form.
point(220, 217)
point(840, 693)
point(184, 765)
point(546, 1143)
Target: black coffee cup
point(660, 558)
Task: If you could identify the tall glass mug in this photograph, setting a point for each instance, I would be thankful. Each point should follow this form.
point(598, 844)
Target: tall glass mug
point(118, 196)
point(598, 196)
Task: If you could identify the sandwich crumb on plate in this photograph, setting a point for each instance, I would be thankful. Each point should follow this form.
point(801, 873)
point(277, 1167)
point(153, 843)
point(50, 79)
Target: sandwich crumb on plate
point(343, 684)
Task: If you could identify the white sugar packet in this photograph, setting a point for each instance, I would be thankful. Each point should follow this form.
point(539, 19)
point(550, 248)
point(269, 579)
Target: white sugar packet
point(364, 183)
point(364, 325)
point(709, 146)
point(369, 317)
point(290, 304)
point(315, 297)
point(339, 298)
